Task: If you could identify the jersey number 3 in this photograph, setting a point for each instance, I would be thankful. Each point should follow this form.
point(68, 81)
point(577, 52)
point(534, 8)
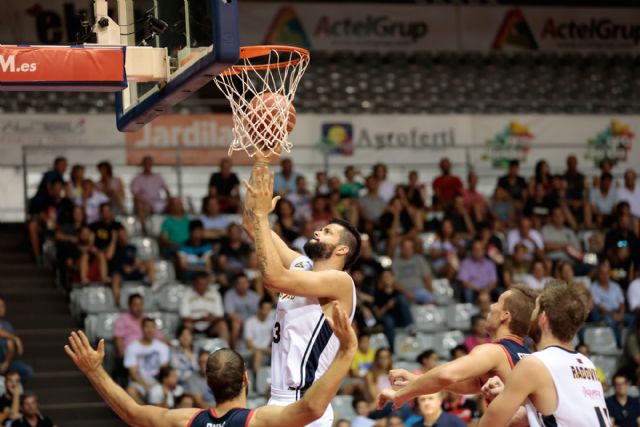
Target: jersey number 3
point(276, 333)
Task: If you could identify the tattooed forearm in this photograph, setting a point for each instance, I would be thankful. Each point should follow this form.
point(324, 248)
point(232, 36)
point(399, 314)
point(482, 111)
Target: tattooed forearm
point(260, 247)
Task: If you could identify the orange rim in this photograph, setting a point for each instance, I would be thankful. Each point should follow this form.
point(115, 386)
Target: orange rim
point(248, 52)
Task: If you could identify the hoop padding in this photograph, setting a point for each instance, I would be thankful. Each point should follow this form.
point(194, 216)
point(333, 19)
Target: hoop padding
point(260, 89)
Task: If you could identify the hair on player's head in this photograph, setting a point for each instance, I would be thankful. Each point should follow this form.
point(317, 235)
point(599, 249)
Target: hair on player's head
point(225, 374)
point(351, 238)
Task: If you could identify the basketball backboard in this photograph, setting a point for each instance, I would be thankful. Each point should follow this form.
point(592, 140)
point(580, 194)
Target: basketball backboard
point(200, 39)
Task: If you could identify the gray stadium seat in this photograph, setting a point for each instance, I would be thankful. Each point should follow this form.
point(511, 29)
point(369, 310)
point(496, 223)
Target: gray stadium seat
point(445, 341)
point(167, 323)
point(155, 224)
point(442, 290)
point(427, 241)
point(428, 318)
point(169, 297)
point(96, 299)
point(131, 224)
point(601, 340)
point(408, 347)
point(607, 364)
point(378, 341)
point(130, 288)
point(263, 380)
point(100, 326)
point(634, 391)
point(147, 248)
point(209, 344)
point(342, 407)
point(165, 272)
point(256, 402)
point(459, 316)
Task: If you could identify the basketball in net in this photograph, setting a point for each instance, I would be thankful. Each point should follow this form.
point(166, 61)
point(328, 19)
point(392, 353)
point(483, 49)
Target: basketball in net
point(260, 89)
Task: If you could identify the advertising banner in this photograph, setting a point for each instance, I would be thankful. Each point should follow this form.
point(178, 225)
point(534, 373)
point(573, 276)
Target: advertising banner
point(39, 67)
point(549, 29)
point(358, 27)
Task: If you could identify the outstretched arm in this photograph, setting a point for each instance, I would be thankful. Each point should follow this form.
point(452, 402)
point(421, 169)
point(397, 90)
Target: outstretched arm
point(325, 284)
point(317, 398)
point(483, 359)
point(89, 361)
point(523, 381)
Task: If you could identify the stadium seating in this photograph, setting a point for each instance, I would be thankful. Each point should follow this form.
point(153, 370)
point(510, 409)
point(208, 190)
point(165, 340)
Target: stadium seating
point(263, 380)
point(429, 318)
point(601, 340)
point(147, 248)
point(459, 316)
point(96, 299)
point(342, 407)
point(378, 341)
point(131, 288)
point(169, 297)
point(100, 326)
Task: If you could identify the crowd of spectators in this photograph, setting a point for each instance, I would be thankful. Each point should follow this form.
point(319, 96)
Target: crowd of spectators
point(553, 224)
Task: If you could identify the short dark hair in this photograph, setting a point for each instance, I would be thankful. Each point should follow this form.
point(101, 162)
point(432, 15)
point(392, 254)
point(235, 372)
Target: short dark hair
point(200, 275)
point(605, 175)
point(11, 373)
point(520, 304)
point(565, 307)
point(357, 400)
point(182, 397)
point(459, 347)
point(351, 238)
point(476, 318)
point(195, 223)
point(364, 334)
point(239, 276)
point(266, 300)
point(147, 320)
point(134, 296)
point(514, 162)
point(26, 395)
point(225, 374)
point(105, 205)
point(59, 159)
point(617, 375)
point(106, 165)
point(425, 355)
point(164, 372)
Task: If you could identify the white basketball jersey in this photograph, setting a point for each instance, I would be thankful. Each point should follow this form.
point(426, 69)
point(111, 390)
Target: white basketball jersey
point(303, 344)
point(580, 396)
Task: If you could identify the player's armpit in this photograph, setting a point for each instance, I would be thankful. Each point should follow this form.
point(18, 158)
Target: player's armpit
point(522, 382)
point(295, 414)
point(331, 284)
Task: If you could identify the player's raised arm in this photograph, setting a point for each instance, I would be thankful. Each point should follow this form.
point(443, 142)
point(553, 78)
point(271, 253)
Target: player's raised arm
point(319, 395)
point(287, 255)
point(323, 284)
point(89, 361)
point(481, 360)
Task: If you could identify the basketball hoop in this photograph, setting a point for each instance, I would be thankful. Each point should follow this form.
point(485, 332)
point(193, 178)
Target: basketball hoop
point(260, 89)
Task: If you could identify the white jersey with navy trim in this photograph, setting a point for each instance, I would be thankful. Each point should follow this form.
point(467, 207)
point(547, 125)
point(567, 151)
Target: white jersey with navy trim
point(303, 344)
point(580, 395)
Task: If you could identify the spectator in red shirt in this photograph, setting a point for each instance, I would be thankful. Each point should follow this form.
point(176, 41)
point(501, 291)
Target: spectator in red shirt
point(446, 186)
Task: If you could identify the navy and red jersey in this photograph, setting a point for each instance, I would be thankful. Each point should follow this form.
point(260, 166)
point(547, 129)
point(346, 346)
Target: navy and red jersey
point(514, 349)
point(209, 418)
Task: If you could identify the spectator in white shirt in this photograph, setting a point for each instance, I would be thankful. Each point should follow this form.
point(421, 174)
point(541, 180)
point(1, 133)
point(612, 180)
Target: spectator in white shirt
point(301, 199)
point(165, 393)
point(90, 200)
point(529, 237)
point(258, 332)
point(240, 303)
point(608, 302)
point(202, 308)
point(537, 277)
point(143, 359)
point(630, 192)
point(633, 296)
point(386, 188)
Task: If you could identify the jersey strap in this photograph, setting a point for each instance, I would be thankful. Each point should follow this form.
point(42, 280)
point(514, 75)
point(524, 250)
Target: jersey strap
point(514, 349)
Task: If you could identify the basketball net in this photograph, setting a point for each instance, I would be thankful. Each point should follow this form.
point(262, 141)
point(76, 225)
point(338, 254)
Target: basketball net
point(260, 89)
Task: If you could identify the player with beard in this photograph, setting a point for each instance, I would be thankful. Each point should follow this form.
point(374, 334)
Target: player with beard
point(556, 385)
point(303, 345)
point(507, 323)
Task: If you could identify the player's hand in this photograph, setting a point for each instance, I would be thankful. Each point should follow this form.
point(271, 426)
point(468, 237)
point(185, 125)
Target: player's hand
point(260, 200)
point(341, 327)
point(389, 395)
point(400, 378)
point(492, 388)
point(83, 355)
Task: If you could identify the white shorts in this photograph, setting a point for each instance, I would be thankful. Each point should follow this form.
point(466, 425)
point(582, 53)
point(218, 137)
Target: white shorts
point(279, 398)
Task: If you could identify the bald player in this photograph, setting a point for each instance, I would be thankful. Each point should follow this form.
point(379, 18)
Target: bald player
point(557, 386)
point(227, 377)
point(507, 323)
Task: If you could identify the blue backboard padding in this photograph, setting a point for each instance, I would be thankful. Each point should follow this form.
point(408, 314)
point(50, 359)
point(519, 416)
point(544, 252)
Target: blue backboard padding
point(226, 52)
